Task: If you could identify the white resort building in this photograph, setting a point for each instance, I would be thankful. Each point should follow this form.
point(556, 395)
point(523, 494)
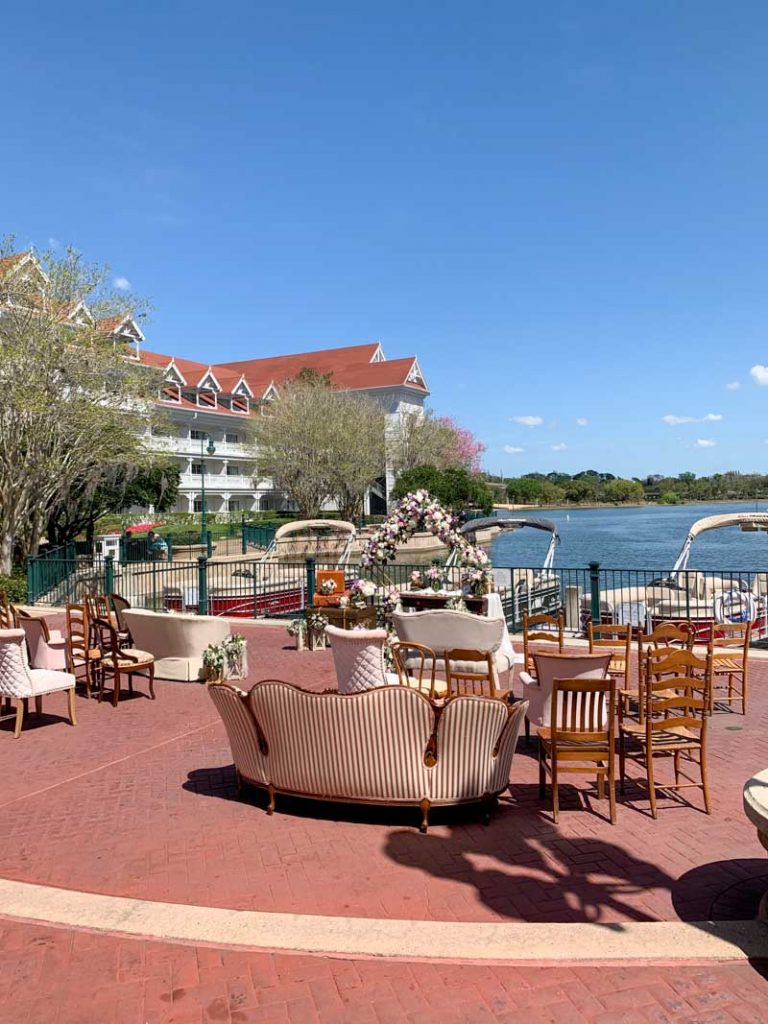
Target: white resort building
point(211, 404)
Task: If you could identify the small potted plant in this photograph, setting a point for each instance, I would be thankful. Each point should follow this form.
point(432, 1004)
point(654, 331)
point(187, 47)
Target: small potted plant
point(213, 663)
point(235, 657)
point(436, 578)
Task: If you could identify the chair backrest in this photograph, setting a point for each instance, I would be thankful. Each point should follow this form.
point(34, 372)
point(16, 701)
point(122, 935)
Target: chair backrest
point(445, 629)
point(614, 635)
point(541, 629)
point(36, 630)
point(671, 668)
point(7, 612)
point(15, 680)
point(550, 667)
point(683, 709)
point(730, 634)
point(666, 634)
point(415, 663)
point(463, 674)
point(358, 655)
point(77, 631)
point(248, 746)
point(118, 605)
point(585, 710)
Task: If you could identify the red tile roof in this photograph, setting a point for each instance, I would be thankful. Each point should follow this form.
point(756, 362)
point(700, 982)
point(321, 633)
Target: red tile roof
point(6, 262)
point(350, 368)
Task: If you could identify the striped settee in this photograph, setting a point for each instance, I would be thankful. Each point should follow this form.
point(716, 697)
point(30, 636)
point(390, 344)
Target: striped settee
point(384, 746)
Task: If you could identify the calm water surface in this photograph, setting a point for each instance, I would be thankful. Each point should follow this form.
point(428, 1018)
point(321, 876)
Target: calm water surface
point(636, 538)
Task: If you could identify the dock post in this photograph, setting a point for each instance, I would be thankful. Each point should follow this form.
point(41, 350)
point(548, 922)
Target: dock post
point(594, 591)
point(310, 562)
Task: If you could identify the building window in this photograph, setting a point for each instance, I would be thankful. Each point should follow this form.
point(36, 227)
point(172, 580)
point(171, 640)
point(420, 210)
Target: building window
point(197, 435)
point(197, 467)
point(198, 504)
point(234, 505)
point(233, 471)
point(232, 438)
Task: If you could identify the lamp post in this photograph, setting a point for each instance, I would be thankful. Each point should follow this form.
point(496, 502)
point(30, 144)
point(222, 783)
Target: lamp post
point(210, 450)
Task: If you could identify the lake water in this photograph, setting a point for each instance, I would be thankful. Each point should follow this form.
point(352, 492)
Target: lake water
point(636, 538)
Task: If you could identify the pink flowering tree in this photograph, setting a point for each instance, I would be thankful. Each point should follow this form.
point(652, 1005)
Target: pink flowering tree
point(467, 450)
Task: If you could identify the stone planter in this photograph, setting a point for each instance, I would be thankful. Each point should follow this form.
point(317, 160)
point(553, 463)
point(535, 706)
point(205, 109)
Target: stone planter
point(756, 809)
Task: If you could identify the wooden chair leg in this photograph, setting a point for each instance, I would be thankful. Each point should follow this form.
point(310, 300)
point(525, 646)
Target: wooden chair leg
point(527, 732)
point(19, 718)
point(542, 773)
point(622, 761)
point(651, 784)
point(424, 808)
point(612, 787)
point(71, 706)
point(39, 704)
point(151, 682)
point(555, 789)
point(115, 688)
point(676, 756)
point(130, 682)
point(744, 692)
point(704, 781)
point(600, 785)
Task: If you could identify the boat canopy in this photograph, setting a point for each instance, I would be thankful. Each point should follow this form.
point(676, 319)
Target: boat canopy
point(748, 522)
point(517, 523)
point(304, 537)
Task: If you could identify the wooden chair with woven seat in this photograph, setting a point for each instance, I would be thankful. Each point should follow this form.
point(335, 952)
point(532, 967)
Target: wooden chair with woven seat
point(728, 644)
point(666, 634)
point(677, 697)
point(81, 655)
point(581, 737)
point(117, 605)
point(471, 671)
point(415, 666)
point(120, 661)
point(653, 656)
point(547, 629)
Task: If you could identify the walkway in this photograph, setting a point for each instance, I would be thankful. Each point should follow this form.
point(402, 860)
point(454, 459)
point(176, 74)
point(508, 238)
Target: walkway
point(139, 802)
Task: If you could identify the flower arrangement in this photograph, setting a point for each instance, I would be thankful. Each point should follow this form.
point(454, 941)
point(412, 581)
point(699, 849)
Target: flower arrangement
point(225, 660)
point(477, 581)
point(416, 580)
point(328, 587)
point(360, 591)
point(213, 662)
point(316, 623)
point(436, 577)
point(297, 628)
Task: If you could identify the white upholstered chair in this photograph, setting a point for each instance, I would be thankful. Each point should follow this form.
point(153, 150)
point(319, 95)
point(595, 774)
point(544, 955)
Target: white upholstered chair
point(451, 630)
point(19, 682)
point(549, 667)
point(358, 655)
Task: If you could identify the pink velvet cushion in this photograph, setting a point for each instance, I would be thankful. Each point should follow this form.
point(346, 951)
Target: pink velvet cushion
point(549, 667)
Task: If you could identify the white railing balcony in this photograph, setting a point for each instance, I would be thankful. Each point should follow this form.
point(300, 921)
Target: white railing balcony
point(218, 482)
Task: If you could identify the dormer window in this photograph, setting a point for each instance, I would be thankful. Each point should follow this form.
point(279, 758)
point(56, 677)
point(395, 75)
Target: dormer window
point(240, 403)
point(207, 399)
point(170, 393)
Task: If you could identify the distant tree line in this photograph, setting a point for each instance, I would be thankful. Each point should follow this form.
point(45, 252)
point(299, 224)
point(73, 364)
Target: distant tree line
point(589, 487)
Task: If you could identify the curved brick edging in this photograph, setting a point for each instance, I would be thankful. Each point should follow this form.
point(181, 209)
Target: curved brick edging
point(654, 942)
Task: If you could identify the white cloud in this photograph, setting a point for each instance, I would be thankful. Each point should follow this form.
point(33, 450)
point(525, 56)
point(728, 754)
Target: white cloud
point(582, 421)
point(558, 447)
point(53, 243)
point(675, 421)
point(528, 421)
point(733, 385)
point(511, 450)
point(759, 374)
point(704, 442)
point(122, 284)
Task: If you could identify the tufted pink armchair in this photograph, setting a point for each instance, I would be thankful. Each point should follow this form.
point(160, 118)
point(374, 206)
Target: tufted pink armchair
point(358, 655)
point(20, 682)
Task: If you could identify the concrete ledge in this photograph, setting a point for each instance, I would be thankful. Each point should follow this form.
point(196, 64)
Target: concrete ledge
point(656, 942)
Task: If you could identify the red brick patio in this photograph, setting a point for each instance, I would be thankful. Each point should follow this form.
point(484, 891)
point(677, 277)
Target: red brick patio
point(140, 801)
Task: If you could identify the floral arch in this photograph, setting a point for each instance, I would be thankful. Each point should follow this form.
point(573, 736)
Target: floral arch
point(420, 510)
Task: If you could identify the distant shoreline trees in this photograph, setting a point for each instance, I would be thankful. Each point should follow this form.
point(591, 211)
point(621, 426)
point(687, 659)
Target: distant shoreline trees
point(590, 487)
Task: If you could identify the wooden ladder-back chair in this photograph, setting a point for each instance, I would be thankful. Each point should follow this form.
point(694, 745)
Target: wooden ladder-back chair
point(120, 661)
point(666, 634)
point(728, 644)
point(537, 629)
point(471, 671)
point(581, 737)
point(677, 698)
point(117, 605)
point(616, 638)
point(655, 663)
point(415, 666)
point(81, 654)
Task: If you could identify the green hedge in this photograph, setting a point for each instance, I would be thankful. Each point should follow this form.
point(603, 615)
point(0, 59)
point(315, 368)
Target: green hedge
point(15, 587)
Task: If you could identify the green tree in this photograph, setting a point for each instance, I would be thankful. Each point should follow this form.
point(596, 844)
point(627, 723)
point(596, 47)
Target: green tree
point(73, 399)
point(620, 490)
point(524, 490)
point(455, 488)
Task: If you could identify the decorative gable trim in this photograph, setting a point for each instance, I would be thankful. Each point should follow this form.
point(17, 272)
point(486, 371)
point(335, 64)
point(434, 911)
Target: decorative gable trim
point(242, 388)
point(174, 374)
point(208, 381)
point(270, 394)
point(378, 356)
point(415, 375)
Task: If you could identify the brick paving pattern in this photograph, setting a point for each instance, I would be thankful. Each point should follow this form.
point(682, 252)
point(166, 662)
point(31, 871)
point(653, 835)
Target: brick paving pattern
point(140, 801)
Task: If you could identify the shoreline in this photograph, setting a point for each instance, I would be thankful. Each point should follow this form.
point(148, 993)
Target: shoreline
point(568, 506)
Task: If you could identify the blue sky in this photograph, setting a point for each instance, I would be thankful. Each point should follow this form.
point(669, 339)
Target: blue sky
point(559, 207)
